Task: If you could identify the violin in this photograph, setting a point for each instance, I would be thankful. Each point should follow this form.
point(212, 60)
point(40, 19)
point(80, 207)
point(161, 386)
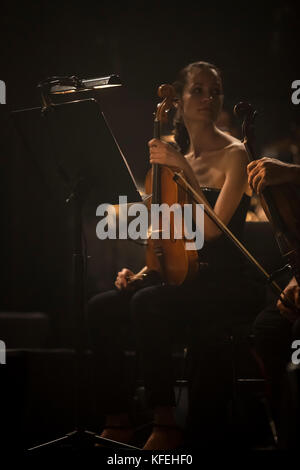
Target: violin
point(281, 203)
point(167, 257)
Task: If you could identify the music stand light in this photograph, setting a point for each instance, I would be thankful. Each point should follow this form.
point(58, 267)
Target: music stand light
point(65, 85)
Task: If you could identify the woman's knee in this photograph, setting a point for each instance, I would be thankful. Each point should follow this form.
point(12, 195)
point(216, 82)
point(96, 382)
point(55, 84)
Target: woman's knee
point(150, 304)
point(141, 302)
point(108, 305)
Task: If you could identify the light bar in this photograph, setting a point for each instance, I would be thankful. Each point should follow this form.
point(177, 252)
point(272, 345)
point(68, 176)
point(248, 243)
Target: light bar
point(62, 85)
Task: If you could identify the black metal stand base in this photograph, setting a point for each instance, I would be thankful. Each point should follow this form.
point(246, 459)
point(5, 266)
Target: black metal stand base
point(81, 440)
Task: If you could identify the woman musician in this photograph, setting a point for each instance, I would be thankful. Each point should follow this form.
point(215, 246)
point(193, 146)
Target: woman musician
point(215, 163)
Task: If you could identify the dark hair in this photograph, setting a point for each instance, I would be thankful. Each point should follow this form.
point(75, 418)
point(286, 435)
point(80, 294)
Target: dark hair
point(180, 132)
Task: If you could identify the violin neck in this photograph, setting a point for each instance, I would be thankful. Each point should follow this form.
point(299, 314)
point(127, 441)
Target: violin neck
point(156, 180)
point(249, 150)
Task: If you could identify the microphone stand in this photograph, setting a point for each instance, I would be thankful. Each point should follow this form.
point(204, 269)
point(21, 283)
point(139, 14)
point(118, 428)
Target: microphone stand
point(80, 437)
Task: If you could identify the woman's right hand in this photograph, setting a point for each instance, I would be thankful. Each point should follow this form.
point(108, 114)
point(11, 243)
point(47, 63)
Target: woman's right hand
point(123, 279)
point(165, 154)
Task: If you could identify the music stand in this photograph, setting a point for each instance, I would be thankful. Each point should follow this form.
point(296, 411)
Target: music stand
point(76, 154)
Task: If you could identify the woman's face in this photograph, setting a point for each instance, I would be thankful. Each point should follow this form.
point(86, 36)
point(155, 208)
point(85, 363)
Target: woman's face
point(202, 97)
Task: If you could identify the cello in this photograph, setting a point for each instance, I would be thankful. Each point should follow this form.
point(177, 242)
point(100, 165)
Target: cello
point(281, 203)
point(167, 256)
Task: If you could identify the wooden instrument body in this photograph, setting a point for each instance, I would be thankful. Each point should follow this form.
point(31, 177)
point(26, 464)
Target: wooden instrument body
point(287, 200)
point(285, 221)
point(169, 257)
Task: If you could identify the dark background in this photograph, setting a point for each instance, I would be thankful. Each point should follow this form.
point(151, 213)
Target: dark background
point(146, 43)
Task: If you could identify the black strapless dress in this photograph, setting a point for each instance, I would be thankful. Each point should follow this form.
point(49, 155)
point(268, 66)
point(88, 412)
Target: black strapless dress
point(221, 254)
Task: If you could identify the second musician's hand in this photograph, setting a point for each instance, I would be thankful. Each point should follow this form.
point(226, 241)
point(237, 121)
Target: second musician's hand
point(271, 171)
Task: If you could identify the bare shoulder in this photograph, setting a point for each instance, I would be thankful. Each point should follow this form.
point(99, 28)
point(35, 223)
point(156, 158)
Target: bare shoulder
point(231, 147)
point(235, 161)
point(235, 153)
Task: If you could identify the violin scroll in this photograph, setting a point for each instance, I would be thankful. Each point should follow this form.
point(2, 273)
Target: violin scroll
point(167, 93)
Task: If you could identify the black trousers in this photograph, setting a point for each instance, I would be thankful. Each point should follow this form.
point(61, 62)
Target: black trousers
point(153, 318)
point(274, 335)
